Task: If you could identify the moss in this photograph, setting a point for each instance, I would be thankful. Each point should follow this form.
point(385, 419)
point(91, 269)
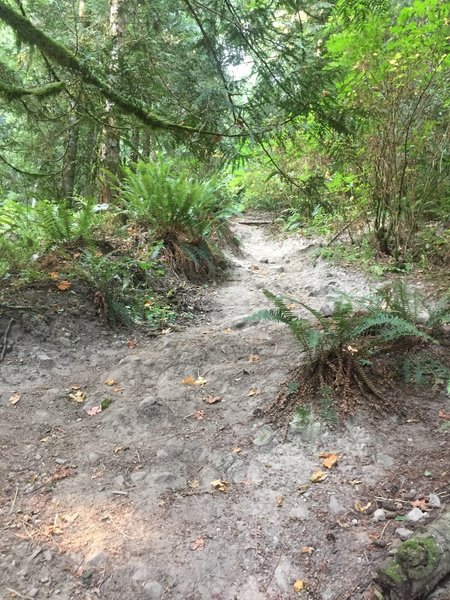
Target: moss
point(393, 572)
point(418, 557)
point(13, 92)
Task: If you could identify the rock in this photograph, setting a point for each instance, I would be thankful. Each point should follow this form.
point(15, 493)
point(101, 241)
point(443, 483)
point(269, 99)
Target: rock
point(410, 495)
point(281, 270)
point(45, 361)
point(264, 437)
point(335, 506)
point(385, 460)
point(355, 522)
point(60, 461)
point(434, 501)
point(299, 512)
point(264, 261)
point(138, 476)
point(327, 310)
point(47, 555)
point(93, 457)
point(415, 515)
point(379, 515)
point(404, 533)
point(153, 590)
point(33, 593)
point(95, 559)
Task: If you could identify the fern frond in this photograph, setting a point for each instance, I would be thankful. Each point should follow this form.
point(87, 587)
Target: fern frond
point(387, 328)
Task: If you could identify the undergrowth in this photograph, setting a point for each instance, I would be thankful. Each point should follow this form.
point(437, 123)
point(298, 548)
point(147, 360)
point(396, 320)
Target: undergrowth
point(341, 352)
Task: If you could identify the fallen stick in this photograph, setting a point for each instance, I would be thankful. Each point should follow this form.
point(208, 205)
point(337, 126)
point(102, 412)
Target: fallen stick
point(5, 340)
point(419, 564)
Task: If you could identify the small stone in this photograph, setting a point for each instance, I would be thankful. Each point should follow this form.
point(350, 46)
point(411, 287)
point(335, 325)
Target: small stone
point(138, 476)
point(33, 593)
point(281, 269)
point(264, 437)
point(385, 460)
point(404, 533)
point(60, 461)
point(93, 457)
point(48, 555)
point(327, 310)
point(264, 261)
point(95, 559)
point(45, 361)
point(410, 495)
point(335, 506)
point(434, 501)
point(415, 515)
point(153, 590)
point(355, 522)
point(379, 515)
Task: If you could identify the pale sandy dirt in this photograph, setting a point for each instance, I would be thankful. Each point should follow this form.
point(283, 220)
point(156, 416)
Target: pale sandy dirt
point(131, 513)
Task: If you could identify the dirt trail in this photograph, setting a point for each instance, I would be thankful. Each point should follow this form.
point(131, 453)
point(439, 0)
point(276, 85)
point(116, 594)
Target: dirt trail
point(119, 505)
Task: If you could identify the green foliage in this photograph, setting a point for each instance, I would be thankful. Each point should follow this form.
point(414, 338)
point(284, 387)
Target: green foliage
point(339, 349)
point(189, 216)
point(122, 290)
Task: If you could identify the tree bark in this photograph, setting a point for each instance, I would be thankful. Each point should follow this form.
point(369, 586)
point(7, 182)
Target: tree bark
point(110, 150)
point(419, 564)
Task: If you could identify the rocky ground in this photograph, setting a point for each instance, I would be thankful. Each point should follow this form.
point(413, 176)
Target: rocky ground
point(176, 490)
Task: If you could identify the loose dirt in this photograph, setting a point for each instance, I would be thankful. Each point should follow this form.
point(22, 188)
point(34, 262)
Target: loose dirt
point(120, 504)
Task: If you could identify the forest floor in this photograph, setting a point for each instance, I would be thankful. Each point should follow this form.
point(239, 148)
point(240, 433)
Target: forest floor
point(119, 505)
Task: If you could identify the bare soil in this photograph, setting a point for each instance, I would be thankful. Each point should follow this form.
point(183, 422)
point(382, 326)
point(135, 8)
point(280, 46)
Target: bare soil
point(119, 505)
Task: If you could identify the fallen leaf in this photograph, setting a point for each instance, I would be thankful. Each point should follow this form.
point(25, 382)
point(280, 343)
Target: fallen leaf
point(254, 358)
point(77, 395)
point(62, 473)
point(444, 415)
point(118, 389)
point(105, 403)
point(53, 275)
point(253, 392)
point(193, 483)
point(236, 450)
point(94, 410)
point(329, 459)
point(318, 476)
point(421, 503)
point(228, 330)
point(299, 586)
point(110, 381)
point(164, 331)
point(69, 517)
point(14, 399)
point(360, 507)
point(190, 380)
point(199, 544)
point(64, 285)
point(212, 399)
point(219, 484)
point(132, 344)
point(307, 550)
point(279, 501)
point(120, 449)
point(199, 415)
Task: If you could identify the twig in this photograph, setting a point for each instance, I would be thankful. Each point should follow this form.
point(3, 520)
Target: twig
point(165, 403)
point(266, 587)
point(384, 529)
point(14, 501)
point(341, 231)
point(5, 340)
point(118, 528)
point(17, 594)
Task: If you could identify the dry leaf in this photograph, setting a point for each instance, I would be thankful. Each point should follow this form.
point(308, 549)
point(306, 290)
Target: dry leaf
point(279, 501)
point(421, 503)
point(14, 399)
point(360, 507)
point(62, 473)
point(236, 450)
point(132, 343)
point(199, 415)
point(299, 586)
point(94, 410)
point(77, 395)
point(189, 380)
point(444, 415)
point(212, 399)
point(228, 330)
point(120, 449)
point(329, 459)
point(64, 285)
point(253, 392)
point(307, 550)
point(53, 275)
point(193, 483)
point(199, 544)
point(220, 484)
point(318, 476)
point(200, 381)
point(254, 358)
point(69, 517)
point(118, 389)
point(110, 381)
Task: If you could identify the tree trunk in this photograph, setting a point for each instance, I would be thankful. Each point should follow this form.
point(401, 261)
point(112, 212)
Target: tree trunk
point(419, 564)
point(70, 158)
point(110, 150)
